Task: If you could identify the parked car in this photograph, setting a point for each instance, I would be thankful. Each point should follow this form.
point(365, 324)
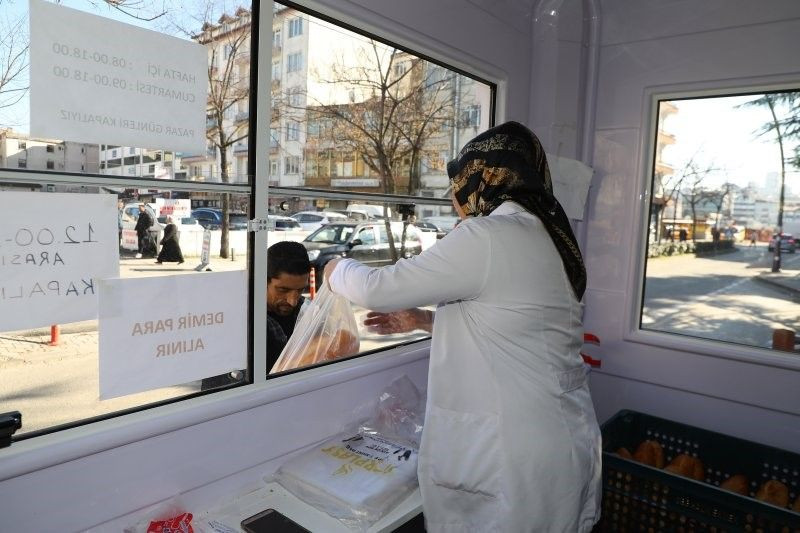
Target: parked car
point(281, 223)
point(430, 227)
point(444, 223)
point(367, 242)
point(367, 211)
point(313, 220)
point(788, 243)
point(211, 218)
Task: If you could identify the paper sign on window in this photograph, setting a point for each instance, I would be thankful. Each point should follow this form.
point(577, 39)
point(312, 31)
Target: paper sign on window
point(170, 330)
point(53, 250)
point(97, 80)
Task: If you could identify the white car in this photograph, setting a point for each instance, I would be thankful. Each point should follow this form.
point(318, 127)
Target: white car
point(281, 223)
point(444, 223)
point(284, 229)
point(313, 220)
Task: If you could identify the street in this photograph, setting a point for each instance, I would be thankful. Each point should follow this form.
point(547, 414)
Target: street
point(717, 297)
point(52, 385)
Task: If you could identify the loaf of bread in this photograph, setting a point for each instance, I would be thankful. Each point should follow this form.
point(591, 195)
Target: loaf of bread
point(650, 453)
point(319, 349)
point(687, 466)
point(624, 453)
point(737, 484)
point(329, 348)
point(774, 492)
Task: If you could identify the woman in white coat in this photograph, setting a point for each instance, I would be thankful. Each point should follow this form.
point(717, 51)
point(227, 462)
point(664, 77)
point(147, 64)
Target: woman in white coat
point(511, 442)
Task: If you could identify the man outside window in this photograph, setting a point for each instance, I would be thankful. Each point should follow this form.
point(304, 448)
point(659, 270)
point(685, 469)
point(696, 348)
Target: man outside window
point(288, 268)
point(143, 223)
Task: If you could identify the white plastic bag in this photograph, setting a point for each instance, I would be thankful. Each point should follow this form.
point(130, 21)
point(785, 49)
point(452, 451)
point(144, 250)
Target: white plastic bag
point(326, 331)
point(399, 414)
point(360, 476)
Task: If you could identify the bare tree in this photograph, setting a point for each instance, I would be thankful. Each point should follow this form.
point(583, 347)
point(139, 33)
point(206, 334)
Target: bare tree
point(691, 170)
point(227, 90)
point(138, 9)
point(396, 107)
point(13, 63)
point(695, 193)
point(785, 127)
point(717, 198)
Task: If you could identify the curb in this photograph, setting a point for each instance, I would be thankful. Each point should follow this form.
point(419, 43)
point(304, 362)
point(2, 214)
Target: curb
point(761, 278)
point(76, 327)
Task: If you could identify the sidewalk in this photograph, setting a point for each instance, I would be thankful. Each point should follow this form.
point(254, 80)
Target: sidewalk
point(789, 282)
point(51, 385)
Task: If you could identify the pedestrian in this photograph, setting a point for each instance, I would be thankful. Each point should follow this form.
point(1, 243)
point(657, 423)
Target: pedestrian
point(120, 206)
point(288, 270)
point(752, 239)
point(682, 235)
point(511, 441)
point(143, 223)
point(170, 245)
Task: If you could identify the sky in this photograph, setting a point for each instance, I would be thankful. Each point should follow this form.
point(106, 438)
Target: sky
point(721, 134)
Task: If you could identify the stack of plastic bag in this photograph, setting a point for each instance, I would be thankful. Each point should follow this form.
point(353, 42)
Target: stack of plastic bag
point(325, 331)
point(361, 475)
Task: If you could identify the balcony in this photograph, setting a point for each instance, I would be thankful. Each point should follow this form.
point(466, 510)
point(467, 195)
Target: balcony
point(277, 50)
point(242, 116)
point(240, 147)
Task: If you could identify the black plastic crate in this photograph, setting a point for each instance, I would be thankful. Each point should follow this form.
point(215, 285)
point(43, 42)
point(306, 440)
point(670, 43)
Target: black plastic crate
point(638, 497)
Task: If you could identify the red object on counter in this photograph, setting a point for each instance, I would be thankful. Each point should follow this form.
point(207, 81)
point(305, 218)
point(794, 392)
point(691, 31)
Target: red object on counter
point(177, 524)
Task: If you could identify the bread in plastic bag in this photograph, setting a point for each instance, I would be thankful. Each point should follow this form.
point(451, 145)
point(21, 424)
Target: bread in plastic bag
point(325, 331)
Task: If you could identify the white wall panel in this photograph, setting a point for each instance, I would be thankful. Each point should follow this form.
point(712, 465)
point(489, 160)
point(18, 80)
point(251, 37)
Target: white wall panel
point(766, 426)
point(611, 205)
point(626, 21)
point(672, 45)
point(727, 56)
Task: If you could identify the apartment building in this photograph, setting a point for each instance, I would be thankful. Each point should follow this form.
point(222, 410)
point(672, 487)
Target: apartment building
point(312, 70)
point(18, 150)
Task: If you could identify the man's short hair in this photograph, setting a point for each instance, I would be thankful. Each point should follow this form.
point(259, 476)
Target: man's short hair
point(287, 257)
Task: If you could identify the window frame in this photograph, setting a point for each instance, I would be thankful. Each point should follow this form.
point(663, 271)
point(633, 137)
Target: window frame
point(88, 436)
point(647, 149)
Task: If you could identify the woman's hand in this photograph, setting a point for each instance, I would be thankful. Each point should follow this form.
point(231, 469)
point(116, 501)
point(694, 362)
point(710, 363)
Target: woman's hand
point(399, 321)
point(329, 268)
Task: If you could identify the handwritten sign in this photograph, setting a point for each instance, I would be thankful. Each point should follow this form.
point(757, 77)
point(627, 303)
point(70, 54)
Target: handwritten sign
point(168, 330)
point(96, 80)
point(53, 250)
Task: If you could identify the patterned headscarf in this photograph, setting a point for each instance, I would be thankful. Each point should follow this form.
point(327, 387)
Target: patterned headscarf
point(507, 162)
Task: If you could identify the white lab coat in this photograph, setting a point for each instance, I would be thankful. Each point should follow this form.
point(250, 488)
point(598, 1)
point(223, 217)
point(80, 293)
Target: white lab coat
point(511, 442)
